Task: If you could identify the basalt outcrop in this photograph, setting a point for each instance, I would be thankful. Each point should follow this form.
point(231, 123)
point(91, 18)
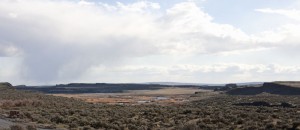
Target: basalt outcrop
point(280, 88)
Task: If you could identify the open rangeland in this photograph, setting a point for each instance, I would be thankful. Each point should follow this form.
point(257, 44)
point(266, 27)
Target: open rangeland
point(220, 111)
point(159, 96)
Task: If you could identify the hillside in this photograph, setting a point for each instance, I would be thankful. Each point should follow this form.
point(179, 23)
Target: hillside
point(279, 87)
point(217, 112)
point(5, 86)
point(289, 83)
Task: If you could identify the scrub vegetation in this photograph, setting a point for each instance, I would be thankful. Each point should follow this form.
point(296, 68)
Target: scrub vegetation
point(35, 110)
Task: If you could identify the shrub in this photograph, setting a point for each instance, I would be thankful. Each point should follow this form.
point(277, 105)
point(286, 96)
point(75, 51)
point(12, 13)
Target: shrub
point(31, 127)
point(17, 127)
point(73, 125)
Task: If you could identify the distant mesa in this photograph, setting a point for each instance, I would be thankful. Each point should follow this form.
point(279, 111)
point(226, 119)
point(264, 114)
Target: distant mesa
point(278, 87)
point(254, 88)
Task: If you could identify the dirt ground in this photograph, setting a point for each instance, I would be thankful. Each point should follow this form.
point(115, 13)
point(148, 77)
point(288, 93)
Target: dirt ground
point(4, 124)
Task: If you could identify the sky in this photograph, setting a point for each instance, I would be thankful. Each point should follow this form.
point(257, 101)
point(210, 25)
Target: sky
point(136, 41)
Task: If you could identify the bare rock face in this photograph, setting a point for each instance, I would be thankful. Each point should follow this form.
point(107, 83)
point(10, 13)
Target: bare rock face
point(280, 88)
point(5, 86)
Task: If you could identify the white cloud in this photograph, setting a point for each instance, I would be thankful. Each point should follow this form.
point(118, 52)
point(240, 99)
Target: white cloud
point(85, 3)
point(292, 14)
point(211, 73)
point(62, 40)
point(285, 36)
point(140, 7)
point(8, 49)
point(13, 15)
point(10, 70)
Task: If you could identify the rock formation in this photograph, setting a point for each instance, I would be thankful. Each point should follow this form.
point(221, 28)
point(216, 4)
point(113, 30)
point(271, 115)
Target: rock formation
point(280, 88)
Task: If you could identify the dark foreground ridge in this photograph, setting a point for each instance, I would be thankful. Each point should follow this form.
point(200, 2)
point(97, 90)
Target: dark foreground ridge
point(280, 88)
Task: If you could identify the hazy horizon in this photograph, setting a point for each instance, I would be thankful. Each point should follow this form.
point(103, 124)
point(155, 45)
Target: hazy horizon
point(137, 41)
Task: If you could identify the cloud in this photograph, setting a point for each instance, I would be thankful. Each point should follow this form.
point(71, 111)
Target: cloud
point(8, 50)
point(63, 36)
point(292, 14)
point(210, 73)
point(63, 40)
point(285, 36)
point(10, 70)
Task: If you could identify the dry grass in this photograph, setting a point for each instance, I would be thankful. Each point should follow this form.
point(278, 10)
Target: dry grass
point(171, 95)
point(166, 91)
point(218, 112)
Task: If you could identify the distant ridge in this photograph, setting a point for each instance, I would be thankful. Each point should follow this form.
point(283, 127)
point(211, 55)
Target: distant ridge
point(278, 87)
point(178, 83)
point(75, 88)
point(289, 83)
point(203, 84)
